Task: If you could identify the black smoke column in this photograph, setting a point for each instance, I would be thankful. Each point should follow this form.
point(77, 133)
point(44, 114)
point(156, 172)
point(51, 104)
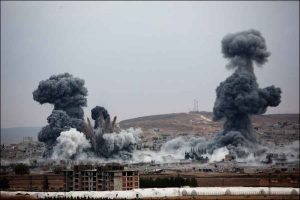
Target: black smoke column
point(58, 122)
point(97, 113)
point(239, 97)
point(68, 95)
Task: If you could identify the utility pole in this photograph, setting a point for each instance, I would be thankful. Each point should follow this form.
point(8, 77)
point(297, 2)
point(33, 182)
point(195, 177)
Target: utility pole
point(269, 183)
point(30, 182)
point(196, 108)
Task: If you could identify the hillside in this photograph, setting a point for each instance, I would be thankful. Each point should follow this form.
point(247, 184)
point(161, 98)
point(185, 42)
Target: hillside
point(201, 124)
point(175, 124)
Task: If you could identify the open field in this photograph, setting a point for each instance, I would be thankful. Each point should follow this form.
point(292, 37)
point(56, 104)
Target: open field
point(234, 180)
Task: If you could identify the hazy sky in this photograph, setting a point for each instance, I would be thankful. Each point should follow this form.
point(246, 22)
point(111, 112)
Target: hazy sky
point(139, 58)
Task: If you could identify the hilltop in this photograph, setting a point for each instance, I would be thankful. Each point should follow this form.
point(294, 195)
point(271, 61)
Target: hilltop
point(201, 124)
point(176, 124)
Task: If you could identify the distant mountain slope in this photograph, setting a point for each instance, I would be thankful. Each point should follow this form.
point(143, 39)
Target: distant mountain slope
point(175, 123)
point(206, 116)
point(198, 123)
point(15, 135)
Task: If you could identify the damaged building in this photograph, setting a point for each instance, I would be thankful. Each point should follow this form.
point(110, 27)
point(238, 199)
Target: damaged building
point(100, 178)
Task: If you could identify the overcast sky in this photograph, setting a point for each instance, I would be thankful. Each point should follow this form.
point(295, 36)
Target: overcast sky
point(139, 58)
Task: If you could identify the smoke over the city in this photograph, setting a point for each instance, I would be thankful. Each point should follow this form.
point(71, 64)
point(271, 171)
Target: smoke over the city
point(108, 140)
point(65, 92)
point(70, 144)
point(120, 144)
point(68, 95)
point(98, 112)
point(239, 96)
point(58, 121)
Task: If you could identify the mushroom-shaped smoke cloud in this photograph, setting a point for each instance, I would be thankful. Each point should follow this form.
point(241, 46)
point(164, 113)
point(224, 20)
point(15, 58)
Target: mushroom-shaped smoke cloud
point(245, 46)
point(65, 92)
point(239, 96)
point(68, 95)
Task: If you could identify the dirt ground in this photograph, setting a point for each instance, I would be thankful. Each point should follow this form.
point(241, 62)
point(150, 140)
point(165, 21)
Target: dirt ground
point(231, 180)
point(254, 197)
point(229, 197)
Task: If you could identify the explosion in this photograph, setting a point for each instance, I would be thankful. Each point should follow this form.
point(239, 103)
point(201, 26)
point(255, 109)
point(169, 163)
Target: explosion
point(239, 96)
point(68, 95)
point(66, 128)
point(108, 141)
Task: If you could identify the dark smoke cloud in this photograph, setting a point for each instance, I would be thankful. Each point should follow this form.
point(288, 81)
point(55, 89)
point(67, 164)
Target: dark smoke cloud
point(65, 92)
point(58, 121)
point(98, 112)
point(107, 140)
point(243, 47)
point(239, 97)
point(68, 95)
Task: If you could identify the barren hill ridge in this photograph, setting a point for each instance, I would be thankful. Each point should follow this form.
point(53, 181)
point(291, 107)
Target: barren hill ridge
point(201, 123)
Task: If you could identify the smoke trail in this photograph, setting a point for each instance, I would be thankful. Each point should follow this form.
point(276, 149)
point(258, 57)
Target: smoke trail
point(68, 95)
point(239, 96)
point(70, 144)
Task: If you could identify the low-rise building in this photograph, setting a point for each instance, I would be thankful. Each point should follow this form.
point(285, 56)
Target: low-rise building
point(28, 148)
point(100, 178)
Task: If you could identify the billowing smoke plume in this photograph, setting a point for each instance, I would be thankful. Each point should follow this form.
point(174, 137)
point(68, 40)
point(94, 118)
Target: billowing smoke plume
point(192, 147)
point(119, 144)
point(102, 119)
point(172, 150)
point(70, 144)
point(68, 95)
point(239, 97)
point(58, 121)
point(219, 154)
point(107, 140)
point(65, 92)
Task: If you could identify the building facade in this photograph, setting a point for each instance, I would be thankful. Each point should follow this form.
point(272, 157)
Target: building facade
point(101, 178)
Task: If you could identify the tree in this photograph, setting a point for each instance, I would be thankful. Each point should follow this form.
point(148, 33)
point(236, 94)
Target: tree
point(179, 181)
point(193, 182)
point(45, 183)
point(57, 170)
point(21, 169)
point(187, 181)
point(4, 183)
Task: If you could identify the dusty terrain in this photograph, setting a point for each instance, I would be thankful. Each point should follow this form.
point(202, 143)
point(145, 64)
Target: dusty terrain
point(275, 127)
